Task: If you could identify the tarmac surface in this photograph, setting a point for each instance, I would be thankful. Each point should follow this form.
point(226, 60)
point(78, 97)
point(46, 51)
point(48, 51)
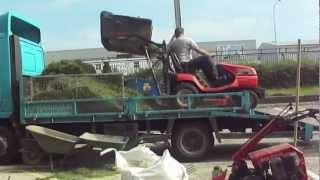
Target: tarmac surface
point(219, 156)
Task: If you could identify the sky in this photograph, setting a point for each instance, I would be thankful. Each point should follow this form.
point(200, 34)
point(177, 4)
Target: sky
point(74, 24)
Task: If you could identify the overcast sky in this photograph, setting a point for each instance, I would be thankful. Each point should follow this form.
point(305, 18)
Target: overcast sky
point(73, 24)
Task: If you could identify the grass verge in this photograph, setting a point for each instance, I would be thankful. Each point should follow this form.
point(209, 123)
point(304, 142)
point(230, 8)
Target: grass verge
point(292, 91)
point(83, 174)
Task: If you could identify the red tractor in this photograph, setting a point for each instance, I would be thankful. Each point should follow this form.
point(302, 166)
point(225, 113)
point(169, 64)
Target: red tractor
point(280, 162)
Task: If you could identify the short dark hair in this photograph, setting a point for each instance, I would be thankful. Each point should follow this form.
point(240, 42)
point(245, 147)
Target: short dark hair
point(178, 31)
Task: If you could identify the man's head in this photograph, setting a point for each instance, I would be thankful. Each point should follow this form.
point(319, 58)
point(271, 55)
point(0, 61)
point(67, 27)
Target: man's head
point(178, 32)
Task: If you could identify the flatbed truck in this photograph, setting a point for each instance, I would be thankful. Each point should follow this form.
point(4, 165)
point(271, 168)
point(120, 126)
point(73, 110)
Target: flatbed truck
point(189, 129)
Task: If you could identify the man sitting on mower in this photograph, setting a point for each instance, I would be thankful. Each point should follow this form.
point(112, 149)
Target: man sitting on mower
point(183, 47)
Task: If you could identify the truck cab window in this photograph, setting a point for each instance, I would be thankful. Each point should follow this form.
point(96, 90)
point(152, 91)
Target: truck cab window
point(25, 30)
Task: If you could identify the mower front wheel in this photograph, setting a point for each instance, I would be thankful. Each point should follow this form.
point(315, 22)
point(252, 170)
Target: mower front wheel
point(182, 89)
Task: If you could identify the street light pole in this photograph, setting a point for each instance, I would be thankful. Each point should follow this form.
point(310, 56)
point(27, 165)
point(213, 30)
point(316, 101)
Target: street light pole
point(177, 13)
point(274, 20)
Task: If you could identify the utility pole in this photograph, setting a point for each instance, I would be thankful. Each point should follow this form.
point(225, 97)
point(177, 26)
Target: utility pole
point(274, 20)
point(177, 13)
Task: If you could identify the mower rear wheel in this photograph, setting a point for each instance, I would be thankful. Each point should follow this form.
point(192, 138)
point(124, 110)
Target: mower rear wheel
point(184, 88)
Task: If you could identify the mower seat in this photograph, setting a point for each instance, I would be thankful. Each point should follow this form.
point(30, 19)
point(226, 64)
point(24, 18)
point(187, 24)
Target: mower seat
point(175, 63)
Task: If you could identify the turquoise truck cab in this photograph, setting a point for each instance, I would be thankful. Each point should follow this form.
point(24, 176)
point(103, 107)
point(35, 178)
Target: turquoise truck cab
point(21, 55)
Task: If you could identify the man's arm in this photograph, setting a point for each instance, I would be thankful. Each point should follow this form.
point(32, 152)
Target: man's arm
point(203, 52)
point(194, 46)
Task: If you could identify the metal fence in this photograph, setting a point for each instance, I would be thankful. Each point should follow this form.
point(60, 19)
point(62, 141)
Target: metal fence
point(310, 54)
point(270, 56)
point(105, 93)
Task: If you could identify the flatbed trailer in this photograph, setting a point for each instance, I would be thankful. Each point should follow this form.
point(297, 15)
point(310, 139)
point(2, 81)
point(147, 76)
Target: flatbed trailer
point(66, 111)
point(149, 114)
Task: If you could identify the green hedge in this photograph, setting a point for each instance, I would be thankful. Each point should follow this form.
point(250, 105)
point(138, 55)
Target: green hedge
point(69, 67)
point(283, 75)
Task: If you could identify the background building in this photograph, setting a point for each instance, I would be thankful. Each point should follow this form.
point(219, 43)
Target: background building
point(270, 52)
point(97, 57)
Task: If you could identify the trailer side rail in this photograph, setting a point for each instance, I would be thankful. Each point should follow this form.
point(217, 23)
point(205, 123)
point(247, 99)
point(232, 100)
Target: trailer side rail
point(110, 109)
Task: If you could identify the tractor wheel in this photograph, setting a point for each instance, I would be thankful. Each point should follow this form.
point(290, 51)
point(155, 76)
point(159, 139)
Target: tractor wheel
point(8, 146)
point(191, 141)
point(184, 88)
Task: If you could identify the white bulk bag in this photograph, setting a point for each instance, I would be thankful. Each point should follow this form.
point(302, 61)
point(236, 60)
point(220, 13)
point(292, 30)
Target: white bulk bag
point(140, 163)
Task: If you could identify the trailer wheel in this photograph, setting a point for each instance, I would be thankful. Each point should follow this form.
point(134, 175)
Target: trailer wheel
point(184, 88)
point(8, 146)
point(191, 141)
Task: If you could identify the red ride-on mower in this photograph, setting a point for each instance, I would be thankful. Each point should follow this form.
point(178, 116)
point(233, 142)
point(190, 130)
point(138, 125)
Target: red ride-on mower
point(231, 78)
point(133, 35)
point(280, 162)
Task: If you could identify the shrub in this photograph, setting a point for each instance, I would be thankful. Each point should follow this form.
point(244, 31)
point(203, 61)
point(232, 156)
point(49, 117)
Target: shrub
point(69, 67)
point(283, 75)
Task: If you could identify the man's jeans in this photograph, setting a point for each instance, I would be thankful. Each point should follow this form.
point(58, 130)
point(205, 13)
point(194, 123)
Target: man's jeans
point(206, 63)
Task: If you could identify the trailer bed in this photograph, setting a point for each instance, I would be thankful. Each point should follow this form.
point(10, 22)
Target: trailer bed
point(111, 109)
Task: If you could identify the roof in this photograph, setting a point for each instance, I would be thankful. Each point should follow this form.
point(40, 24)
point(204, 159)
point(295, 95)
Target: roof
point(81, 54)
point(6, 18)
point(267, 45)
point(212, 45)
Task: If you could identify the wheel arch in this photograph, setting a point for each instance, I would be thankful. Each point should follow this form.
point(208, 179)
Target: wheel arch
point(197, 85)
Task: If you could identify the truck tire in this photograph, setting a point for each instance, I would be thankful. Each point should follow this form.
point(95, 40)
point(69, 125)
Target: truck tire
point(184, 88)
point(8, 146)
point(191, 141)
